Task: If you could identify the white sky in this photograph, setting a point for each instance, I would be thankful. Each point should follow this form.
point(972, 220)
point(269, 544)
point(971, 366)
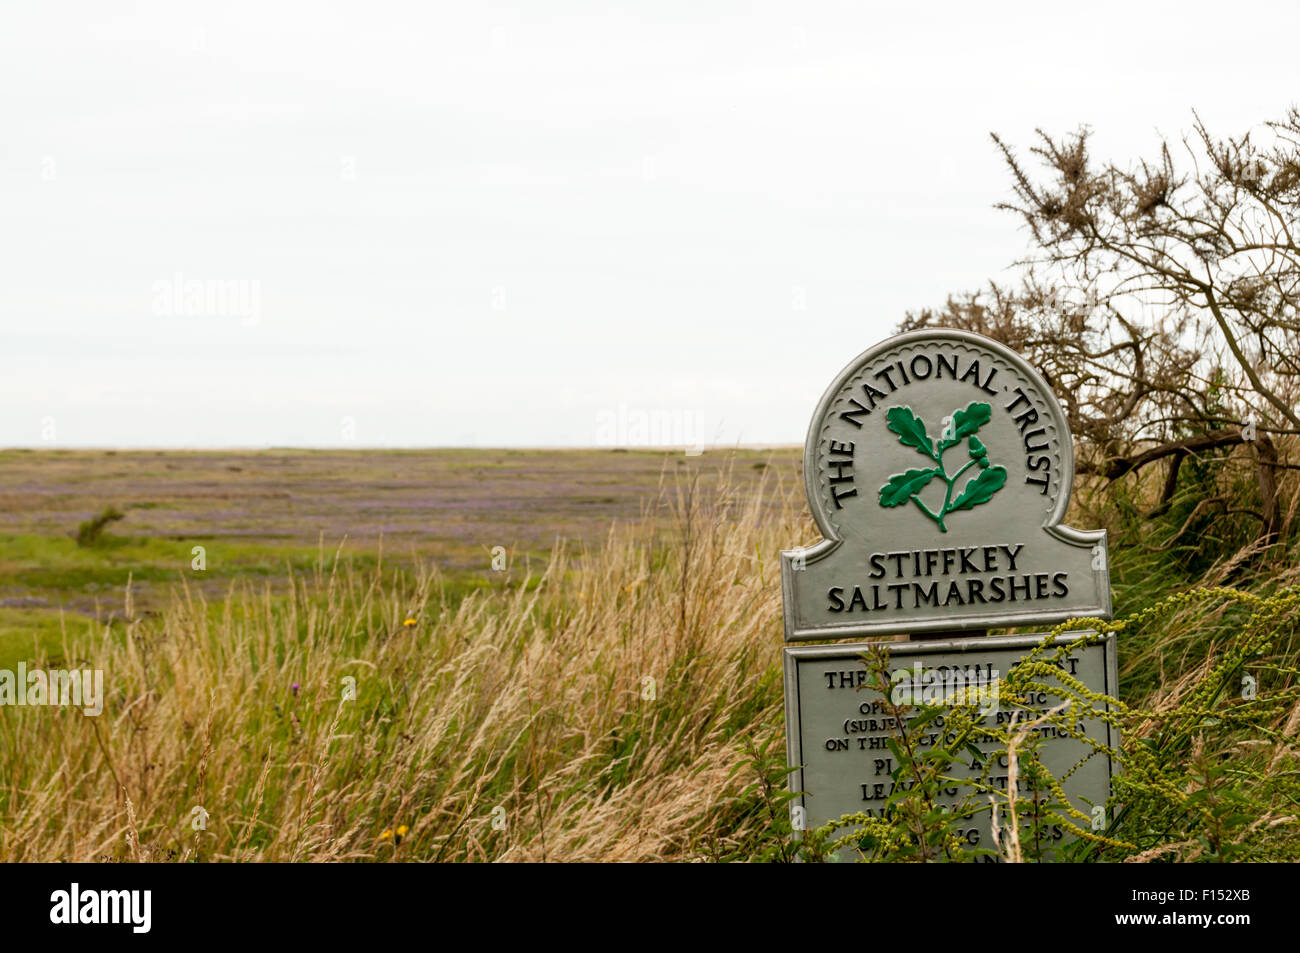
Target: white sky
point(542, 224)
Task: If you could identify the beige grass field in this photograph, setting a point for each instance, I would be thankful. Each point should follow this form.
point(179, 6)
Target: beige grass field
point(592, 702)
point(615, 695)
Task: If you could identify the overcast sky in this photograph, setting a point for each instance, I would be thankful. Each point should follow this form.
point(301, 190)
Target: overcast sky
point(548, 224)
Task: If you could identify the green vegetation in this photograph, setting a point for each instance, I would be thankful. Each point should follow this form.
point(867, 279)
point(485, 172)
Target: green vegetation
point(1206, 765)
point(90, 532)
point(621, 701)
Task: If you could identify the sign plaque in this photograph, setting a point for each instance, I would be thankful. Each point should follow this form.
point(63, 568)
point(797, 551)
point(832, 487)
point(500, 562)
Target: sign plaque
point(938, 467)
point(838, 727)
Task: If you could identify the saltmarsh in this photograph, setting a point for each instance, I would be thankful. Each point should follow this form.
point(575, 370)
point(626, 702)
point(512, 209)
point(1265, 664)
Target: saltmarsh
point(617, 698)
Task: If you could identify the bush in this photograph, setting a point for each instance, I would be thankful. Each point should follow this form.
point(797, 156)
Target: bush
point(91, 531)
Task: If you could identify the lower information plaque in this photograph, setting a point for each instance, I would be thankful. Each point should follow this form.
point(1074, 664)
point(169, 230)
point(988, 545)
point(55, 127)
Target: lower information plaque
point(838, 725)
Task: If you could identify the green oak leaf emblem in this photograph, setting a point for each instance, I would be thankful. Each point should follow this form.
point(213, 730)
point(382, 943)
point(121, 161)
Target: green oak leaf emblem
point(903, 488)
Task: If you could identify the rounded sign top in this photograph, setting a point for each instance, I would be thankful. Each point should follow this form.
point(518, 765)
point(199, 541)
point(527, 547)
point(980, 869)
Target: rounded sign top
point(939, 467)
point(939, 431)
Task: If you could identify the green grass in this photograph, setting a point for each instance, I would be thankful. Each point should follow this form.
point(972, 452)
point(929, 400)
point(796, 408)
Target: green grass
point(523, 692)
point(55, 564)
point(29, 633)
point(82, 584)
point(85, 587)
point(264, 516)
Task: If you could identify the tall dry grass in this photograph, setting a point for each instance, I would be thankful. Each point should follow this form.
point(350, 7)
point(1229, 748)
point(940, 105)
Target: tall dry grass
point(606, 710)
point(625, 704)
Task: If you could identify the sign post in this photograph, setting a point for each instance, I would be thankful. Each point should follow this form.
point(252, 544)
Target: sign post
point(938, 467)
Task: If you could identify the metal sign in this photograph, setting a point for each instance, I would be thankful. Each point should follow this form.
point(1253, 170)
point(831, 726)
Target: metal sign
point(938, 467)
point(837, 728)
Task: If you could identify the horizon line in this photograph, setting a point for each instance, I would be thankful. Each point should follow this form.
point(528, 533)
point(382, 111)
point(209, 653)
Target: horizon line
point(191, 448)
